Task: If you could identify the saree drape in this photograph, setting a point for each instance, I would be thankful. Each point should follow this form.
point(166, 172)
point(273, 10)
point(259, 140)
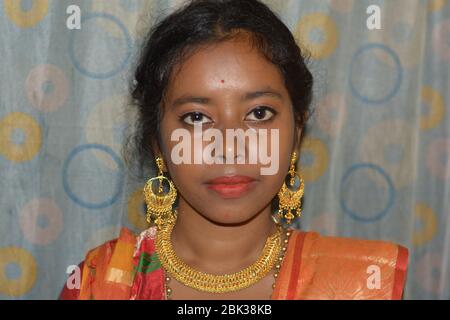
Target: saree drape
point(314, 267)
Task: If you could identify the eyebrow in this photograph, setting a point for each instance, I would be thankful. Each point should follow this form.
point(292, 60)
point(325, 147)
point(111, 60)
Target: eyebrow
point(266, 91)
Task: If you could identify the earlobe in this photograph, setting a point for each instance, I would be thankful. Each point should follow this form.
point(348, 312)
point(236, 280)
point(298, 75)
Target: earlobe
point(157, 153)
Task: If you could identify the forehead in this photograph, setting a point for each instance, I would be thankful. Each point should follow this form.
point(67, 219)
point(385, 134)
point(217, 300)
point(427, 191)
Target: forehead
point(234, 63)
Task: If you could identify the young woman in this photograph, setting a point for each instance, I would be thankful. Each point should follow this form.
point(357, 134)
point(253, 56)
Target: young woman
point(229, 65)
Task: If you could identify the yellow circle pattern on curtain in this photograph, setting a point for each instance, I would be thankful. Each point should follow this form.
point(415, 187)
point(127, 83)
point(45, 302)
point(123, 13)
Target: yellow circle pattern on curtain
point(26, 18)
point(20, 152)
point(16, 287)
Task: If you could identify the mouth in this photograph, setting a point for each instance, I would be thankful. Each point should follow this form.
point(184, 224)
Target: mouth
point(229, 187)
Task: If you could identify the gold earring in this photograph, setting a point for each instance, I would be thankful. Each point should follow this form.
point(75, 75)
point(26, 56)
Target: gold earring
point(290, 200)
point(159, 205)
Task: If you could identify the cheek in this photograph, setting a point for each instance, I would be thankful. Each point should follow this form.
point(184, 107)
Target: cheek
point(167, 127)
point(186, 179)
point(286, 129)
point(285, 146)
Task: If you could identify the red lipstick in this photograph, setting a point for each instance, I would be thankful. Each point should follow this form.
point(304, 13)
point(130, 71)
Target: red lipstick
point(231, 186)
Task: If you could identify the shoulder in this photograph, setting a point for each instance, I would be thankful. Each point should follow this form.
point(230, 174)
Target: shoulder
point(345, 247)
point(348, 267)
point(351, 247)
point(125, 242)
point(107, 271)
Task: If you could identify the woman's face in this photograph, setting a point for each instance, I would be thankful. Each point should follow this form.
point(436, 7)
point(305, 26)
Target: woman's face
point(227, 86)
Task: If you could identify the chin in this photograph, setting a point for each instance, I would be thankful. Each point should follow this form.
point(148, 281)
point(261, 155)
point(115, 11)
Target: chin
point(230, 217)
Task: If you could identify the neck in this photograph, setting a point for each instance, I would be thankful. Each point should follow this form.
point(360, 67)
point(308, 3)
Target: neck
point(219, 249)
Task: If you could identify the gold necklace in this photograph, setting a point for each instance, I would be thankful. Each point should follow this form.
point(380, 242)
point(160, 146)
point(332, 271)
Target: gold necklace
point(218, 283)
point(169, 291)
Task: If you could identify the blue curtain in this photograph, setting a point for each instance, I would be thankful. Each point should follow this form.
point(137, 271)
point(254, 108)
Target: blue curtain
point(376, 160)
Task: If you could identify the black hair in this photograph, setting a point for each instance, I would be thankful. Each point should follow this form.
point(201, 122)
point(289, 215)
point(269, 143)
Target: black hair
point(204, 22)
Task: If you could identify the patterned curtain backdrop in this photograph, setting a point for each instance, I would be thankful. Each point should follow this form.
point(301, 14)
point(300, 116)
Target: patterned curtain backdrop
point(376, 161)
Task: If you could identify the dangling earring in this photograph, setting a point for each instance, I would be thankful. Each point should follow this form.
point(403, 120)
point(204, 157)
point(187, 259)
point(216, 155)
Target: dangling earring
point(290, 200)
point(159, 205)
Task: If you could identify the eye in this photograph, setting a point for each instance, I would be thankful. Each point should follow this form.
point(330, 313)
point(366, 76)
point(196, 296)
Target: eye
point(195, 118)
point(261, 113)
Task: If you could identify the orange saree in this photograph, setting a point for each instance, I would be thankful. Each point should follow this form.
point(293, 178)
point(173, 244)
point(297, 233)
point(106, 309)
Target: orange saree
point(315, 267)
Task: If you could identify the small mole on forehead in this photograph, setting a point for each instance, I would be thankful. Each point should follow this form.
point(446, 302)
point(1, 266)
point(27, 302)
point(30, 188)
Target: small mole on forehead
point(223, 81)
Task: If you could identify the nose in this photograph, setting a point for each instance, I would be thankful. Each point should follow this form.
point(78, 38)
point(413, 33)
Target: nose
point(234, 146)
point(237, 154)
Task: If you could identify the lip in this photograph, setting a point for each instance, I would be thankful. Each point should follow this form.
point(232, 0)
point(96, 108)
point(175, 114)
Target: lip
point(231, 186)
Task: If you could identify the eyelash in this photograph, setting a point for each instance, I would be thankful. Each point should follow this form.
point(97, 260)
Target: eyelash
point(186, 115)
point(265, 108)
